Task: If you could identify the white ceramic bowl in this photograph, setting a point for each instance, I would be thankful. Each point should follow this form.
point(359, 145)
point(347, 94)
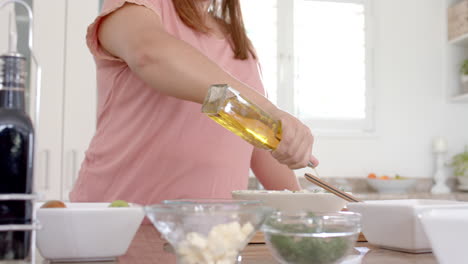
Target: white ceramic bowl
point(86, 231)
point(447, 230)
point(394, 224)
point(292, 202)
point(391, 185)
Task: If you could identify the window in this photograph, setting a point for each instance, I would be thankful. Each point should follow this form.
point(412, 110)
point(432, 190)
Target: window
point(315, 58)
point(262, 30)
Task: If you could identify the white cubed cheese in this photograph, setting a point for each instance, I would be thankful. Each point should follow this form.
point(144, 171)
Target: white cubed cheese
point(247, 229)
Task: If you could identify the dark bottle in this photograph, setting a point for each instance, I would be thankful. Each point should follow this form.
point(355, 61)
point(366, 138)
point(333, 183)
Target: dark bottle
point(16, 156)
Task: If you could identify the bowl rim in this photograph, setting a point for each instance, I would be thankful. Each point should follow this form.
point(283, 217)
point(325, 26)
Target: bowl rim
point(278, 192)
point(99, 207)
point(413, 203)
point(317, 215)
point(279, 217)
point(216, 208)
point(208, 201)
point(406, 179)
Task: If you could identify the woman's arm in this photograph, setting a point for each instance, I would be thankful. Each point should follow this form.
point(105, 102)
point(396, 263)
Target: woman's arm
point(136, 35)
point(272, 174)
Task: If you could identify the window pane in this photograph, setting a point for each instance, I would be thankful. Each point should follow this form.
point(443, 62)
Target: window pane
point(329, 44)
point(261, 28)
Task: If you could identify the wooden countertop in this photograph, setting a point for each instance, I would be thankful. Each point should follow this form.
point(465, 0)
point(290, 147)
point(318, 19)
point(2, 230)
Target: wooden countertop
point(363, 253)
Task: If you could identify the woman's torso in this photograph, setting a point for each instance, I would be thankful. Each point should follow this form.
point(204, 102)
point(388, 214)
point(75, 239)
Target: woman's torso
point(149, 146)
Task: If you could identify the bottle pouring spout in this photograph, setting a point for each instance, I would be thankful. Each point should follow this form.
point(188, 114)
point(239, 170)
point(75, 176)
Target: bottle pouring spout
point(13, 48)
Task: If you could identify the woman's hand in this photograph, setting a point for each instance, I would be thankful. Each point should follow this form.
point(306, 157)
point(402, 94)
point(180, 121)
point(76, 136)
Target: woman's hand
point(295, 147)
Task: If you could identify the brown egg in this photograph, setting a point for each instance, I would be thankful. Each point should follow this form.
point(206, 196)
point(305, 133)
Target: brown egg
point(54, 204)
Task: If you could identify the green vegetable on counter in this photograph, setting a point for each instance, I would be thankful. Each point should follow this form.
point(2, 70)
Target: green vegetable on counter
point(308, 249)
point(119, 203)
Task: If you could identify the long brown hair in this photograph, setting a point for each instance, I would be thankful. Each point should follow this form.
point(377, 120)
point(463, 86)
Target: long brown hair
point(229, 13)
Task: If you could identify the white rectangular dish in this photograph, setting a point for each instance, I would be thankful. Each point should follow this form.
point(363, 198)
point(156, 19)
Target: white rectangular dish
point(447, 230)
point(86, 231)
point(394, 224)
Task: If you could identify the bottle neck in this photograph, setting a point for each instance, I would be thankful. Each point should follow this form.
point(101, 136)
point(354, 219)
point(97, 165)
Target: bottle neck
point(12, 99)
point(12, 81)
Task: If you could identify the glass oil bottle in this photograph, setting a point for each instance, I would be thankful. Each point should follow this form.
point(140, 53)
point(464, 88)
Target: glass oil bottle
point(16, 155)
point(236, 113)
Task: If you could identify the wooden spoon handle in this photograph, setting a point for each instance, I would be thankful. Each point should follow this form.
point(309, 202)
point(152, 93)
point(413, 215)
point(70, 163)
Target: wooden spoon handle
point(325, 185)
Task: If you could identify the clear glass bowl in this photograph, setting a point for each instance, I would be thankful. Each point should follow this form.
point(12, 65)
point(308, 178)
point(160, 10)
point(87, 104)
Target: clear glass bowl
point(319, 238)
point(207, 232)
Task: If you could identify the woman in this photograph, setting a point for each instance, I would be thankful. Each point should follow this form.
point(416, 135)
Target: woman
point(155, 62)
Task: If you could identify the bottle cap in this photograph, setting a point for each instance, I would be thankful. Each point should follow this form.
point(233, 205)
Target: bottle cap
point(12, 64)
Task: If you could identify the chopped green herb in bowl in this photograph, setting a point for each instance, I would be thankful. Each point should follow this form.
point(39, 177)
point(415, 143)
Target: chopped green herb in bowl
point(305, 238)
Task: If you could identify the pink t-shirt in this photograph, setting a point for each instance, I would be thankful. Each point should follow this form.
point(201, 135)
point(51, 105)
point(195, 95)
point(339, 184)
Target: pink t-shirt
point(149, 146)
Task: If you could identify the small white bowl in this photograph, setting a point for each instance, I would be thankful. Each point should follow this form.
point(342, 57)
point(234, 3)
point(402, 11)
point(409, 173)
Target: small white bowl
point(394, 224)
point(391, 185)
point(86, 231)
point(293, 202)
point(447, 230)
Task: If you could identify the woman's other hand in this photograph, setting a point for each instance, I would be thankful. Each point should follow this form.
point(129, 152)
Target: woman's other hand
point(295, 147)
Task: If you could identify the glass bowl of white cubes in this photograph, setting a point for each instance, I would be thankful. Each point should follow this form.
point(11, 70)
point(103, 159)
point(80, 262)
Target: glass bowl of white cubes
point(208, 231)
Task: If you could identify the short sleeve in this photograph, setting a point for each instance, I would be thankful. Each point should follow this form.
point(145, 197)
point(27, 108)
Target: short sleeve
point(110, 6)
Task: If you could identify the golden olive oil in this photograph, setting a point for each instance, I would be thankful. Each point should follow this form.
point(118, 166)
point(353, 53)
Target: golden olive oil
point(232, 111)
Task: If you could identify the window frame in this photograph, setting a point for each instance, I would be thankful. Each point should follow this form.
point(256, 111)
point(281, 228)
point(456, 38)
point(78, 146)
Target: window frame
point(287, 63)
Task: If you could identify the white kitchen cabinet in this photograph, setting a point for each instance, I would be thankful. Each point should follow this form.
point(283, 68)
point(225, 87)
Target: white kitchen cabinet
point(49, 31)
point(68, 100)
point(79, 120)
point(455, 52)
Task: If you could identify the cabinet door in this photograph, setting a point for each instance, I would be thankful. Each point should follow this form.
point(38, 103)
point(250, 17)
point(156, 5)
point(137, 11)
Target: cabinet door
point(80, 90)
point(49, 33)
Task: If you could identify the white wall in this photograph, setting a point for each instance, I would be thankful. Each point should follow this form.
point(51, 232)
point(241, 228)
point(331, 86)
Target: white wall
point(411, 103)
point(410, 93)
